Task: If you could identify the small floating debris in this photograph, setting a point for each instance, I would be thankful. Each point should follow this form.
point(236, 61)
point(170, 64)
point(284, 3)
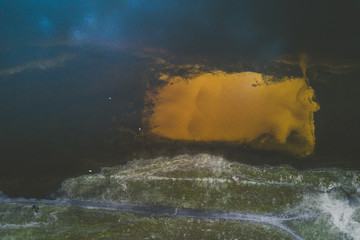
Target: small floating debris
point(235, 178)
point(35, 207)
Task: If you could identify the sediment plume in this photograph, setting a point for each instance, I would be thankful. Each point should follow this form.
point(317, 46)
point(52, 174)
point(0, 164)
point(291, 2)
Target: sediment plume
point(240, 107)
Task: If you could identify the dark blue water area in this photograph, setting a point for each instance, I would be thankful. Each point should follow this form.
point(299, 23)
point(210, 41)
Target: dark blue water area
point(262, 28)
point(72, 81)
point(51, 117)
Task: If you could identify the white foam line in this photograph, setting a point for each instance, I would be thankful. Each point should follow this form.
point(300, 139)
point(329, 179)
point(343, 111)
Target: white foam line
point(19, 226)
point(42, 64)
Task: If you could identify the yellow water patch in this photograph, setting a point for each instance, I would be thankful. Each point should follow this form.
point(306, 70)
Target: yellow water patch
point(238, 107)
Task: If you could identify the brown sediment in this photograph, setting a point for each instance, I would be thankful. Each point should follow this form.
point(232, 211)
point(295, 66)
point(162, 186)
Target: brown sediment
point(244, 107)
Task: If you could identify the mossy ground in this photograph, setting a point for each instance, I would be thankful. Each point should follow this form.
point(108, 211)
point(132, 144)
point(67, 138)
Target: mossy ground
point(200, 182)
point(77, 223)
point(208, 183)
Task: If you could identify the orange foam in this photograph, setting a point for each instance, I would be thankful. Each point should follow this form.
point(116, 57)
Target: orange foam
point(240, 107)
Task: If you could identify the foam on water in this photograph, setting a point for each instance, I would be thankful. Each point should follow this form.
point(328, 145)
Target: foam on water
point(342, 214)
point(20, 226)
point(41, 64)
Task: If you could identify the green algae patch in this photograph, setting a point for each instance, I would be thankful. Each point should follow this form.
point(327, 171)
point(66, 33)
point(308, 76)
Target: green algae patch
point(193, 197)
point(58, 222)
point(206, 182)
point(323, 230)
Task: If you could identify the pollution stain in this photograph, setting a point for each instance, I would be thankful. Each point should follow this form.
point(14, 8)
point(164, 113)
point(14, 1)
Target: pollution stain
point(245, 107)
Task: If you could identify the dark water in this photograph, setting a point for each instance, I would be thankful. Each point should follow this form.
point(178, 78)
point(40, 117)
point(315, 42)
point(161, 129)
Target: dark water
point(73, 76)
